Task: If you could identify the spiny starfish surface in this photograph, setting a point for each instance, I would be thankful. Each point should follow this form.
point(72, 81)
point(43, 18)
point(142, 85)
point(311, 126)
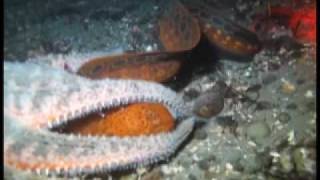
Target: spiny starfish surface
point(38, 98)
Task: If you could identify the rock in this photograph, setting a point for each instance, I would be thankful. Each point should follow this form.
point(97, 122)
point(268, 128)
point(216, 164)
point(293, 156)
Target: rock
point(179, 176)
point(311, 106)
point(300, 81)
point(196, 173)
point(251, 164)
point(200, 134)
point(254, 88)
point(287, 87)
point(211, 102)
point(263, 105)
point(298, 158)
point(131, 176)
point(228, 123)
point(192, 177)
point(258, 131)
point(269, 78)
point(207, 161)
point(204, 164)
point(209, 105)
point(303, 163)
point(155, 174)
point(185, 160)
point(284, 117)
point(286, 162)
point(292, 106)
point(232, 156)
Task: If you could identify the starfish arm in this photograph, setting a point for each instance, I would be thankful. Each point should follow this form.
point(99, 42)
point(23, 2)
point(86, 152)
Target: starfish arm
point(38, 97)
point(51, 153)
point(46, 97)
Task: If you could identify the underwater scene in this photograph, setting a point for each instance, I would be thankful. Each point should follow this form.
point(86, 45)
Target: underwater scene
point(160, 89)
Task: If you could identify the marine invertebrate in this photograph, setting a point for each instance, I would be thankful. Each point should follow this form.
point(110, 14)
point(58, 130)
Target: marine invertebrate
point(211, 102)
point(47, 97)
point(44, 99)
point(179, 29)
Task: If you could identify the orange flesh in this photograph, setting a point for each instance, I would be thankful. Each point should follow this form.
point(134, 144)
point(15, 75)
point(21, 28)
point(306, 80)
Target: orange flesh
point(132, 120)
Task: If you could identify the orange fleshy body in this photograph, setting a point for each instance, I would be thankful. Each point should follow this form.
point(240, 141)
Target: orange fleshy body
point(132, 120)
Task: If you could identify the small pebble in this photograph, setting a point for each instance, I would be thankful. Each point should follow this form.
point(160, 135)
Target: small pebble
point(251, 164)
point(204, 164)
point(128, 177)
point(253, 95)
point(302, 161)
point(301, 81)
point(228, 123)
point(225, 121)
point(209, 104)
point(258, 131)
point(200, 134)
point(155, 174)
point(192, 177)
point(309, 94)
point(268, 79)
point(232, 156)
point(254, 88)
point(287, 87)
point(286, 162)
point(263, 105)
point(311, 106)
point(284, 117)
point(292, 106)
point(273, 66)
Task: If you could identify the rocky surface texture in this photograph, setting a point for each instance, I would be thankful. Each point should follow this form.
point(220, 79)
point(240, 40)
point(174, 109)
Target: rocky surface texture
point(267, 125)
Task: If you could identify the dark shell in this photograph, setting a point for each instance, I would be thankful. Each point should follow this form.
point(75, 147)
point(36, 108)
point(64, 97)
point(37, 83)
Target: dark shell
point(211, 102)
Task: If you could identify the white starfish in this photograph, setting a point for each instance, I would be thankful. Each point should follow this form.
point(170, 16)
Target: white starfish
point(39, 97)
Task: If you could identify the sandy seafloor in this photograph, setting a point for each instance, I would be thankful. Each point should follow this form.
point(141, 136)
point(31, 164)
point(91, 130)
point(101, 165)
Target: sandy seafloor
point(271, 139)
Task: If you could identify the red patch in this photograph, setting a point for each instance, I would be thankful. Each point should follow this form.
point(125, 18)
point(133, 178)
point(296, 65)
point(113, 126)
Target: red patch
point(302, 21)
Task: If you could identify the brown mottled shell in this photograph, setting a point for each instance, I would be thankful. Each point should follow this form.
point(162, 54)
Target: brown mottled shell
point(156, 67)
point(178, 32)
